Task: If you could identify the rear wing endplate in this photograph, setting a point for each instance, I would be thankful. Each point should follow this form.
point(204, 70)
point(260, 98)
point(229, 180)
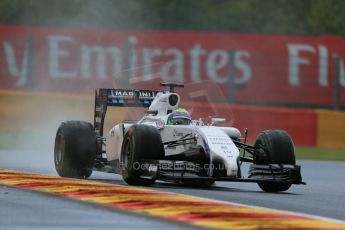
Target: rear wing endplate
point(121, 98)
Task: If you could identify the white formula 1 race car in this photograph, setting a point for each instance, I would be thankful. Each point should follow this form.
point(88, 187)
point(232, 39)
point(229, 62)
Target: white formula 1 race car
point(167, 144)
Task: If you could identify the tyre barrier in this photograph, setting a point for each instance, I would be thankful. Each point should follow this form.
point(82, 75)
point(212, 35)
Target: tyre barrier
point(299, 123)
point(330, 129)
point(22, 110)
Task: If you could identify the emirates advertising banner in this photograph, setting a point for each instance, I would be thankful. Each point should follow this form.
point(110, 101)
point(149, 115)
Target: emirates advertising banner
point(246, 67)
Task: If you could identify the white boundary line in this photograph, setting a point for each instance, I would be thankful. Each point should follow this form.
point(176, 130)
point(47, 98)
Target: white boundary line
point(275, 210)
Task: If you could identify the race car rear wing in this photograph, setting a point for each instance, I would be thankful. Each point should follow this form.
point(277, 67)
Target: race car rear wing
point(121, 98)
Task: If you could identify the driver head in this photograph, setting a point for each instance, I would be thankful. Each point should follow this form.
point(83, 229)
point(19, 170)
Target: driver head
point(179, 117)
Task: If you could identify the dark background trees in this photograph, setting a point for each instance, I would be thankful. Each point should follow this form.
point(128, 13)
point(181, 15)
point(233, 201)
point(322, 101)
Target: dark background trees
point(271, 16)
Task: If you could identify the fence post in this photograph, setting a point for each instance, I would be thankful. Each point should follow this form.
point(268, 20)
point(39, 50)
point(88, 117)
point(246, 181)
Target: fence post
point(231, 77)
point(336, 83)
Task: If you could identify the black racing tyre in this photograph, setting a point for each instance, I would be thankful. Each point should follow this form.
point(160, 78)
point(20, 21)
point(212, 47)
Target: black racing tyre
point(274, 187)
point(140, 142)
point(75, 149)
point(274, 147)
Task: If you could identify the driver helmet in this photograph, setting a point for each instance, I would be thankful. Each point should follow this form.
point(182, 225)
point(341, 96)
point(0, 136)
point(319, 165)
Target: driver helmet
point(179, 116)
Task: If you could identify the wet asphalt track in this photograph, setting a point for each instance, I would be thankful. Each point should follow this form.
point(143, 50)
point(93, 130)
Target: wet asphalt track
point(324, 195)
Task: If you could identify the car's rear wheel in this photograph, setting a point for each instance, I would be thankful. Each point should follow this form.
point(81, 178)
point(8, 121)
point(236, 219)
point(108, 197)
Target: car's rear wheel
point(274, 147)
point(75, 149)
point(140, 142)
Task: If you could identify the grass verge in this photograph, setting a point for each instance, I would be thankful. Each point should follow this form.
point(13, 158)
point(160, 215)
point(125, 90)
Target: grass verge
point(308, 153)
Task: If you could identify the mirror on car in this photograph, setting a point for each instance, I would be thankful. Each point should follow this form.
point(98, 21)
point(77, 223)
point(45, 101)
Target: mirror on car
point(217, 121)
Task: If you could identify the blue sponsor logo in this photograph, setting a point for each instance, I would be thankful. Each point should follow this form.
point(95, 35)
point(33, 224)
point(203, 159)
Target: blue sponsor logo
point(117, 101)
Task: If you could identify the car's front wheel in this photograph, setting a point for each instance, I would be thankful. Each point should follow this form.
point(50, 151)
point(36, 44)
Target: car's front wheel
point(274, 147)
point(140, 142)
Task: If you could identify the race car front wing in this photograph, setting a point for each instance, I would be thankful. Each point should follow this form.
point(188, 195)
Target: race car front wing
point(290, 174)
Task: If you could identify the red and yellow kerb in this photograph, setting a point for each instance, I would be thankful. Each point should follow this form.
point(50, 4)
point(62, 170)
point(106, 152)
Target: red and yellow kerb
point(165, 205)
